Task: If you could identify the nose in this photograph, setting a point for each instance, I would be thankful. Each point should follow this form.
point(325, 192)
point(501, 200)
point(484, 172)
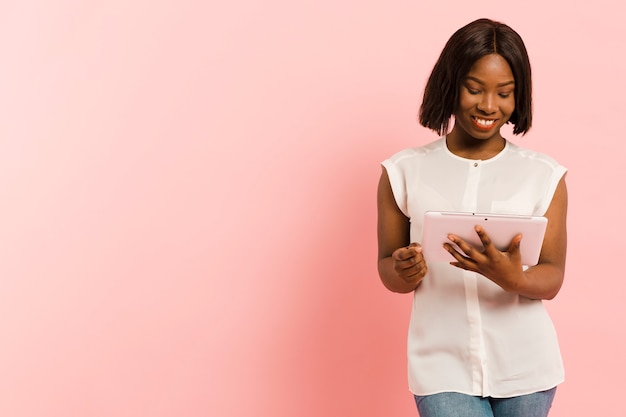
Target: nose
point(487, 104)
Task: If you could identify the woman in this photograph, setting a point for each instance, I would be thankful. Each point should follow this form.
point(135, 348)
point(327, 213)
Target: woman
point(480, 341)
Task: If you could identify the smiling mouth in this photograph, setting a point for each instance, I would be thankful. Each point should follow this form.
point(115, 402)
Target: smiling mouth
point(484, 124)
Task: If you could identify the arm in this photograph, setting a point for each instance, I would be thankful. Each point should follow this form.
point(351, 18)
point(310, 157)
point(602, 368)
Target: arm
point(542, 281)
point(401, 266)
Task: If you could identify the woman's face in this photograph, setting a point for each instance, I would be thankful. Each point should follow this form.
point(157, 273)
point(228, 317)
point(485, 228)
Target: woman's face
point(486, 99)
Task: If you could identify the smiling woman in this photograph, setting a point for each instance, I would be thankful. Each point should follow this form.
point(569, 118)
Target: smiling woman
point(480, 339)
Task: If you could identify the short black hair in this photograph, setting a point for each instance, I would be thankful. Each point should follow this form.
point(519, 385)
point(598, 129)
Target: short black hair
point(466, 46)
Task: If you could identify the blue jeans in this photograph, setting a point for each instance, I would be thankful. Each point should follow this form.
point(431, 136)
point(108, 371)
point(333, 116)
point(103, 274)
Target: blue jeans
point(453, 404)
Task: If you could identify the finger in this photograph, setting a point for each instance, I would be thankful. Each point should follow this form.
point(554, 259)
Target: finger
point(402, 254)
point(414, 261)
point(461, 261)
point(465, 247)
point(416, 246)
point(411, 261)
point(514, 248)
point(456, 254)
point(482, 235)
point(418, 270)
point(407, 252)
point(490, 248)
point(463, 266)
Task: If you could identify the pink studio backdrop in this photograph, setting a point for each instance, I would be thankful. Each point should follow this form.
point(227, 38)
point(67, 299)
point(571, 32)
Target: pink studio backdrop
point(188, 201)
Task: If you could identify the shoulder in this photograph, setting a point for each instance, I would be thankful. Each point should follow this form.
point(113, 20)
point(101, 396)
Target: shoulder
point(409, 154)
point(532, 156)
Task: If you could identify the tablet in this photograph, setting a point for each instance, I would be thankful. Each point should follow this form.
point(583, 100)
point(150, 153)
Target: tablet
point(501, 228)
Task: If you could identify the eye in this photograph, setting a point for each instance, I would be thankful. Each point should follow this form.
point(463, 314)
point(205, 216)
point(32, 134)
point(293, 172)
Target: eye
point(472, 91)
point(505, 95)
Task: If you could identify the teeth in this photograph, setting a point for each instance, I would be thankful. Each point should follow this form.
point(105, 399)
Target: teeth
point(484, 122)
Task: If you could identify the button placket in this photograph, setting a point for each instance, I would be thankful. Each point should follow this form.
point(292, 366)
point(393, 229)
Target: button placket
point(468, 203)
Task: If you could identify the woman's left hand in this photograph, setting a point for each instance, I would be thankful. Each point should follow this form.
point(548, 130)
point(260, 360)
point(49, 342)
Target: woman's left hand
point(503, 268)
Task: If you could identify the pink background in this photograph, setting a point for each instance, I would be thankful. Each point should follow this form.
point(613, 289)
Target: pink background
point(188, 201)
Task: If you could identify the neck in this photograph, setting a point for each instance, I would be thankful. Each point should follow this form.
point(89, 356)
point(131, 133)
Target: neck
point(472, 148)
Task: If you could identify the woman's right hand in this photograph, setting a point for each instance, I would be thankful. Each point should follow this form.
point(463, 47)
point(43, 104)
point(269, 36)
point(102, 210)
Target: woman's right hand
point(409, 263)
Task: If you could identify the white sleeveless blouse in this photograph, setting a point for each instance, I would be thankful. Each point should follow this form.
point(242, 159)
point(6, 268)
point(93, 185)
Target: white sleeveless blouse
point(467, 334)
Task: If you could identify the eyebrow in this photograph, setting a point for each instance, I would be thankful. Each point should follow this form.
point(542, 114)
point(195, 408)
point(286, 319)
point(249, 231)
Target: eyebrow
point(482, 83)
